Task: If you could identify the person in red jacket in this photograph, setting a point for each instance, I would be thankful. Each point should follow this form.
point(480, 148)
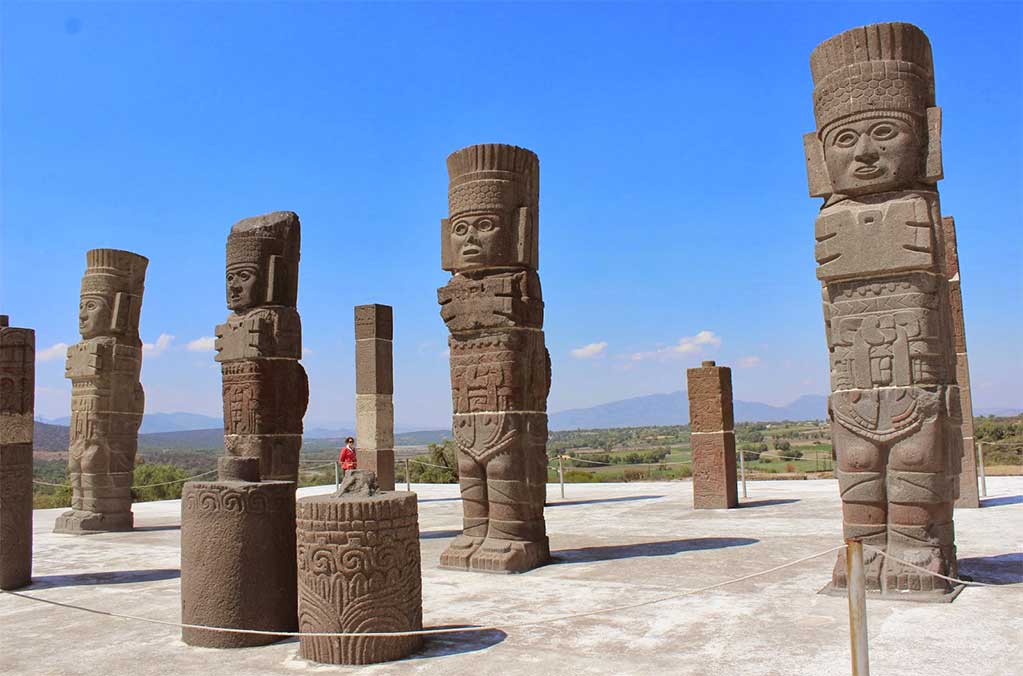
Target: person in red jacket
point(347, 457)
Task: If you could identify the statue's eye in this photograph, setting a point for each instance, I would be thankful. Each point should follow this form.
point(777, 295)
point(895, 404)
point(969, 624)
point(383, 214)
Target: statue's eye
point(846, 139)
point(91, 305)
point(484, 225)
point(884, 131)
point(244, 275)
point(461, 228)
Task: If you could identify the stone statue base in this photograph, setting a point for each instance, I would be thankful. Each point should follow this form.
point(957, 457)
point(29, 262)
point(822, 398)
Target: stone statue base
point(491, 555)
point(77, 522)
point(237, 556)
point(359, 571)
point(15, 515)
point(935, 596)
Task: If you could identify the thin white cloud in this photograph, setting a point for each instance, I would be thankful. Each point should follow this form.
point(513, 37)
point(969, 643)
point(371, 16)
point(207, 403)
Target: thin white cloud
point(685, 345)
point(749, 362)
point(53, 352)
point(589, 351)
point(158, 348)
point(307, 350)
point(204, 344)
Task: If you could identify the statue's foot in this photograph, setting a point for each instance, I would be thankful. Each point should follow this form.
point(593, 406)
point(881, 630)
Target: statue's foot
point(77, 522)
point(872, 561)
point(902, 578)
point(458, 553)
point(509, 556)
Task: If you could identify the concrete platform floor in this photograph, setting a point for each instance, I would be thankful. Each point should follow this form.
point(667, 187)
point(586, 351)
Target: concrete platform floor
point(615, 544)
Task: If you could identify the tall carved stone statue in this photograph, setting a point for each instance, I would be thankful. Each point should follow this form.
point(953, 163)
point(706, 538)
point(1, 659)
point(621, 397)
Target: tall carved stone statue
point(895, 412)
point(500, 369)
point(17, 404)
point(107, 400)
point(265, 387)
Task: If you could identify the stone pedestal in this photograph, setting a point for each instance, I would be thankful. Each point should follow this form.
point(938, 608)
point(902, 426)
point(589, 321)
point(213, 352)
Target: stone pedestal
point(359, 571)
point(969, 492)
point(712, 425)
point(237, 556)
point(17, 399)
point(107, 400)
point(374, 391)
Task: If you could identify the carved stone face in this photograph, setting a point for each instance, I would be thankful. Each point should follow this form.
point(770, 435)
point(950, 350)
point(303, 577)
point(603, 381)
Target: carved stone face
point(879, 153)
point(243, 287)
point(94, 316)
point(480, 240)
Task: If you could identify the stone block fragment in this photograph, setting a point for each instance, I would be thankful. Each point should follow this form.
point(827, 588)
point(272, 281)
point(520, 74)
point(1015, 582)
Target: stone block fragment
point(711, 420)
point(15, 515)
point(359, 571)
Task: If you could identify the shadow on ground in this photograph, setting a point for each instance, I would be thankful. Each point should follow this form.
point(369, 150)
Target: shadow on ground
point(146, 529)
point(111, 577)
point(440, 645)
point(1004, 500)
point(1000, 569)
point(767, 503)
point(569, 503)
point(665, 548)
point(433, 534)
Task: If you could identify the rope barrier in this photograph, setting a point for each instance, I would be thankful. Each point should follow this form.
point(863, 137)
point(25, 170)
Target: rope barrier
point(426, 632)
point(165, 483)
point(429, 464)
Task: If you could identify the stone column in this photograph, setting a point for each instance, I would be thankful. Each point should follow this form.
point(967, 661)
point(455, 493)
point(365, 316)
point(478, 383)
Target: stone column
point(969, 493)
point(107, 400)
point(374, 391)
point(17, 398)
point(359, 571)
point(882, 262)
point(500, 368)
point(237, 556)
point(266, 391)
point(712, 425)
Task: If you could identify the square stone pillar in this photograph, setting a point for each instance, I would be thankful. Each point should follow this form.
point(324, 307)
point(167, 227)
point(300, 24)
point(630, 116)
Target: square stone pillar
point(374, 391)
point(968, 492)
point(17, 403)
point(712, 423)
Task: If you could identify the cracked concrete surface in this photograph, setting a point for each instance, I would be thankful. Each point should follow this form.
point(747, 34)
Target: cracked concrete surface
point(615, 544)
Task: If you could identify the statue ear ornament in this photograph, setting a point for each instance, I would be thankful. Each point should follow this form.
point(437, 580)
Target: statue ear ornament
point(933, 170)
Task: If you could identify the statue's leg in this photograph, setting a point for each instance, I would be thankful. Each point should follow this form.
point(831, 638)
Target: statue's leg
point(921, 492)
point(860, 473)
point(516, 541)
point(473, 485)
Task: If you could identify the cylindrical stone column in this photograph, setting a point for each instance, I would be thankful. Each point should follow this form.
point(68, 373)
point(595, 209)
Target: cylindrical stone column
point(359, 571)
point(17, 398)
point(237, 556)
point(374, 391)
point(712, 423)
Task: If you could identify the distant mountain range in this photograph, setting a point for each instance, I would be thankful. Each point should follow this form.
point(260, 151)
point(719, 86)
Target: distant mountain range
point(673, 409)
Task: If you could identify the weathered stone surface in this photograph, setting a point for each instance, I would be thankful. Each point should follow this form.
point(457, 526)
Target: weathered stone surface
point(359, 571)
point(712, 422)
point(107, 400)
point(969, 493)
point(374, 388)
point(237, 557)
point(17, 405)
point(265, 388)
point(883, 260)
point(500, 368)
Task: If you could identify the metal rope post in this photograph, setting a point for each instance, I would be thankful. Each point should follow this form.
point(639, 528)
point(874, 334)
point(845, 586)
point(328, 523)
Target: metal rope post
point(337, 476)
point(980, 467)
point(561, 474)
point(742, 471)
point(856, 583)
point(408, 477)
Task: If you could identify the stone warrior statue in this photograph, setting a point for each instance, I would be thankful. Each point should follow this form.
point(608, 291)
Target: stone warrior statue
point(500, 369)
point(107, 400)
point(894, 406)
point(265, 387)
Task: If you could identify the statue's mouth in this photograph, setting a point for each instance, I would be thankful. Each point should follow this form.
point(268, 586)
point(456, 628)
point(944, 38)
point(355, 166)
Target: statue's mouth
point(471, 251)
point(869, 171)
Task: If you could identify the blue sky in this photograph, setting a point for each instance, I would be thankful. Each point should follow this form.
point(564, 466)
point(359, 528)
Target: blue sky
point(675, 222)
